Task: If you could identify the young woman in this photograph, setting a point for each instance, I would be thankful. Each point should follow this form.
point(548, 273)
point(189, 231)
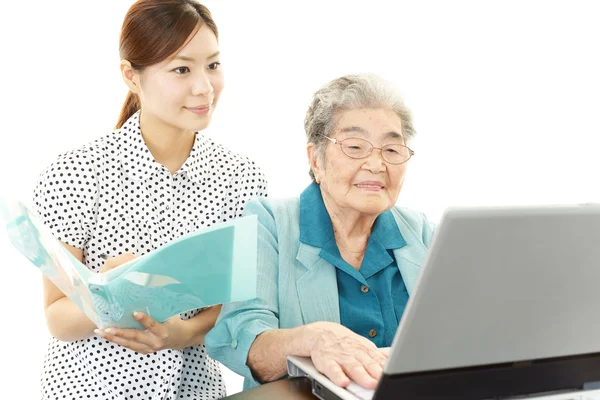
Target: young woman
point(154, 179)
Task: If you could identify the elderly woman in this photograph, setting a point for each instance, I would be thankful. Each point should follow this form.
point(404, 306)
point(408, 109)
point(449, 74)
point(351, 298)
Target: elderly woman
point(336, 265)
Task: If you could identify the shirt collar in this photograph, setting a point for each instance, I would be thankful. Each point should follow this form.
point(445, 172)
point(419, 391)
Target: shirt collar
point(138, 162)
point(316, 229)
point(197, 161)
point(315, 223)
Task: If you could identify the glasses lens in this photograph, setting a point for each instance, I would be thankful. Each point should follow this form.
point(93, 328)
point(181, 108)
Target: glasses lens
point(395, 153)
point(356, 147)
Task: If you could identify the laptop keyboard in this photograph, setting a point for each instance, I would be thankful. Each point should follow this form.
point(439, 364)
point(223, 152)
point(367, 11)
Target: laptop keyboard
point(367, 394)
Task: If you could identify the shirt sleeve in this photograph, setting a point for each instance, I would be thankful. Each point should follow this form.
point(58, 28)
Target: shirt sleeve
point(239, 323)
point(249, 183)
point(65, 199)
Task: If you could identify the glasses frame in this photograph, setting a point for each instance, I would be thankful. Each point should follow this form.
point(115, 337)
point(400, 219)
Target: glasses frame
point(340, 142)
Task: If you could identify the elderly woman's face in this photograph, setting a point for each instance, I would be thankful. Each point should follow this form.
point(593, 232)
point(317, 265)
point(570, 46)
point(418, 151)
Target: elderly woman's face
point(369, 185)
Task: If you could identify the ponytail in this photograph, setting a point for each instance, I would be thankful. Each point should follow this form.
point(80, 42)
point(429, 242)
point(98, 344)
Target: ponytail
point(129, 108)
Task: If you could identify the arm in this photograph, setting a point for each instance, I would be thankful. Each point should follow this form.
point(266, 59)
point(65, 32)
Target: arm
point(64, 319)
point(267, 355)
point(336, 351)
point(241, 322)
point(247, 338)
point(200, 325)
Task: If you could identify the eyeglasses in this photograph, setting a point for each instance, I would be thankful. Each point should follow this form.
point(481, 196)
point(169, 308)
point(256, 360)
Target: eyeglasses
point(361, 148)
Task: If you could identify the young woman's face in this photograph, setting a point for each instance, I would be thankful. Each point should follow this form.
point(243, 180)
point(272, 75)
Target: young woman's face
point(183, 90)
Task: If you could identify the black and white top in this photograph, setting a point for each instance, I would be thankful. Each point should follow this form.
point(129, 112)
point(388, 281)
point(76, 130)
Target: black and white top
point(111, 197)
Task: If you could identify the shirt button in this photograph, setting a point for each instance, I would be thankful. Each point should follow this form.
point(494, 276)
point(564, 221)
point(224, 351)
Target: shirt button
point(372, 333)
point(364, 289)
point(234, 344)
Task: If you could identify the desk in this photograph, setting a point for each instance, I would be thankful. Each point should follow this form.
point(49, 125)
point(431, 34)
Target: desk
point(292, 389)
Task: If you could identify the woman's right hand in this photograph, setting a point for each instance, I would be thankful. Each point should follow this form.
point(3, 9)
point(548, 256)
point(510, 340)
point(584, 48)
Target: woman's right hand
point(342, 355)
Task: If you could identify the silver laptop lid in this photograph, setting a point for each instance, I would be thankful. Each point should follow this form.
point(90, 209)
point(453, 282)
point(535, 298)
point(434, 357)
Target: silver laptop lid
point(501, 285)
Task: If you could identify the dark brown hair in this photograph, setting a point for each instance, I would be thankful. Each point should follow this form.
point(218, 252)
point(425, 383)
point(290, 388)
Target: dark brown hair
point(152, 31)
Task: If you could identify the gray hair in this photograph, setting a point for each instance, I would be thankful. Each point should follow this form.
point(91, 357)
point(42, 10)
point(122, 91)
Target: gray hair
point(348, 93)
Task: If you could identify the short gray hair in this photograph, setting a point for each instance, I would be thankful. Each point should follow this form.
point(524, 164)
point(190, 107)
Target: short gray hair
point(348, 93)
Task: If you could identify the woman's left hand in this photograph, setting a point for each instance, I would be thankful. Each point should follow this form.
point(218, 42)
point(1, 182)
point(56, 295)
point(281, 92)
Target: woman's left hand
point(171, 334)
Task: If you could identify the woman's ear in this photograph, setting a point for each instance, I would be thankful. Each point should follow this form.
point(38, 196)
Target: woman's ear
point(130, 76)
point(314, 161)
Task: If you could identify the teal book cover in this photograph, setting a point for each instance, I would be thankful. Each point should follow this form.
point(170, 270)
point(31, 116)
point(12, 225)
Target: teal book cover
point(210, 266)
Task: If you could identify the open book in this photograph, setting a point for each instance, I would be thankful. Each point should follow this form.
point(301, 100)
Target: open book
point(211, 266)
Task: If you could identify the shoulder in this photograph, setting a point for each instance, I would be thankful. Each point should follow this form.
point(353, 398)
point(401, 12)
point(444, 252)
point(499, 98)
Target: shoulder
point(285, 208)
point(75, 169)
point(245, 178)
point(412, 217)
point(83, 161)
point(281, 217)
point(66, 194)
point(73, 177)
point(414, 220)
point(225, 156)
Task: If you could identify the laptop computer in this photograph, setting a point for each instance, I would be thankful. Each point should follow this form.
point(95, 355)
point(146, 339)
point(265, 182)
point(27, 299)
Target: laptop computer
point(507, 305)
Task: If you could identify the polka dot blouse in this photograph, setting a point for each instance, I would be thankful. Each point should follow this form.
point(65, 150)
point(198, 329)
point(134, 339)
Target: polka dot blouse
point(111, 197)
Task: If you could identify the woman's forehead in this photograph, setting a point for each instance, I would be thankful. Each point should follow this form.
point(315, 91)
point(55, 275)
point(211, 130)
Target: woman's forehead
point(369, 123)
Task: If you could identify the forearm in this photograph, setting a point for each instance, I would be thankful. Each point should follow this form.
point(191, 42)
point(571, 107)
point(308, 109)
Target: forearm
point(67, 322)
point(267, 355)
point(198, 326)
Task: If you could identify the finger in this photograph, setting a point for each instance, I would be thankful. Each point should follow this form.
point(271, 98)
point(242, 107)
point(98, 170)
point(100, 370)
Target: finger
point(371, 365)
point(130, 344)
point(150, 324)
point(132, 335)
point(116, 261)
point(357, 372)
point(331, 369)
point(379, 356)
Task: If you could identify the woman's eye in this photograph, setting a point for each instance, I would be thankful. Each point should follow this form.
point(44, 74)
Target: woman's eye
point(181, 70)
point(214, 65)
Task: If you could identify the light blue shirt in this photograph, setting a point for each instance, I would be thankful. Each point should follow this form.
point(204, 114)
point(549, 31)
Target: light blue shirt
point(295, 285)
point(373, 298)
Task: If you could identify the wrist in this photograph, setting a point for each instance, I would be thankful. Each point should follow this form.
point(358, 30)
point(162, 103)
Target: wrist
point(185, 333)
point(309, 335)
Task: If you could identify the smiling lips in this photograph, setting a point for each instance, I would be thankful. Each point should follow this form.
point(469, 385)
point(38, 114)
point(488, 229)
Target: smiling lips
point(370, 185)
point(200, 110)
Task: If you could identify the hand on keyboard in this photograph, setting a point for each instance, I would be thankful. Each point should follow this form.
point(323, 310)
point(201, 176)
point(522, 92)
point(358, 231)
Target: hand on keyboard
point(342, 355)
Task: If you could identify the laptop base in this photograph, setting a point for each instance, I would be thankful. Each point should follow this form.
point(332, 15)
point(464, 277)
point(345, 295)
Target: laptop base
point(499, 381)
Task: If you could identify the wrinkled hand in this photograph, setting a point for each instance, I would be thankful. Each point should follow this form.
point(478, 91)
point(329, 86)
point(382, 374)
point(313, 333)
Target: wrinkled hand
point(171, 334)
point(342, 355)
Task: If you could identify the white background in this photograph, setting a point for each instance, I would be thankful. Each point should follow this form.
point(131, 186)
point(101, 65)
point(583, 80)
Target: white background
point(505, 94)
